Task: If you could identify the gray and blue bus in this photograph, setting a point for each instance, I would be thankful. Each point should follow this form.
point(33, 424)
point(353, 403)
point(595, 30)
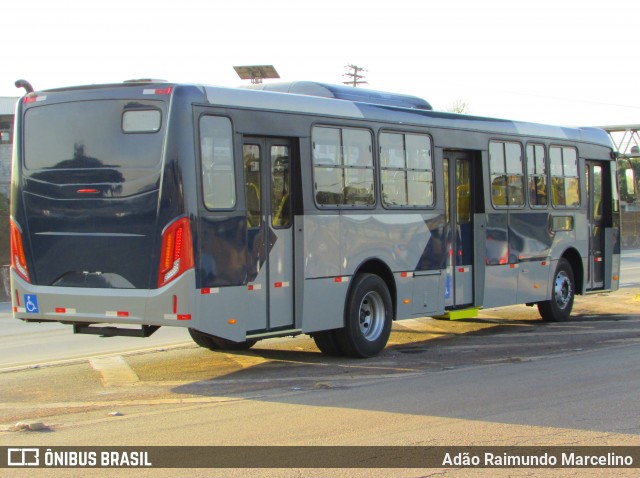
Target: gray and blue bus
point(299, 208)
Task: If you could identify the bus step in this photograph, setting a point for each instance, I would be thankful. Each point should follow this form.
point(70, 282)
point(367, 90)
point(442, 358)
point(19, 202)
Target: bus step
point(597, 291)
point(110, 331)
point(459, 314)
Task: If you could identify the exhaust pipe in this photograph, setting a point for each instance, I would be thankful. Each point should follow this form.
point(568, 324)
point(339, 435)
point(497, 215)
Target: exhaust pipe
point(24, 84)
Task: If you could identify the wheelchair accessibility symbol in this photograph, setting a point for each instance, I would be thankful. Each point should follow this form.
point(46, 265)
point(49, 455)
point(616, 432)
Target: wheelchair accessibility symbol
point(31, 303)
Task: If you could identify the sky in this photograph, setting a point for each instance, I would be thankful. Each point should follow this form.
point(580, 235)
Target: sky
point(566, 62)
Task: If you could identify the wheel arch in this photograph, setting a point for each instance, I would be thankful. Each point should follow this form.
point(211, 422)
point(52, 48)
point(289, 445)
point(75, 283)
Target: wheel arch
point(575, 260)
point(377, 267)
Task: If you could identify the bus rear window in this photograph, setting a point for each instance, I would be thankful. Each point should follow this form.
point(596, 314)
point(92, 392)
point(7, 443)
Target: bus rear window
point(143, 121)
point(93, 134)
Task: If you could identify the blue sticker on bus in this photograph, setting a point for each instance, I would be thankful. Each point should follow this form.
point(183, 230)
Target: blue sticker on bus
point(447, 288)
point(31, 303)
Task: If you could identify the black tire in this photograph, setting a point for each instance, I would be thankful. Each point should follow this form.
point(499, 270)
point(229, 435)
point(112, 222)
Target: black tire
point(212, 342)
point(327, 342)
point(367, 319)
point(558, 308)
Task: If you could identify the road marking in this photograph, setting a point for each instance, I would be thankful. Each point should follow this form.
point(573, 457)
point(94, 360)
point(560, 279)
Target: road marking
point(114, 371)
point(246, 361)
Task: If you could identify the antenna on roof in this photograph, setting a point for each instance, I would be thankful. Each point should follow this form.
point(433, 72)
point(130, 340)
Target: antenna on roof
point(256, 73)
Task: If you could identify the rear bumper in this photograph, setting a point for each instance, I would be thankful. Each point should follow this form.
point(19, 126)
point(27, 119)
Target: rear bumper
point(170, 305)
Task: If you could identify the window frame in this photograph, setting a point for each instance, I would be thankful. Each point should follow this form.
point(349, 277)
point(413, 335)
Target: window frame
point(562, 148)
point(289, 217)
point(406, 169)
point(201, 164)
point(343, 166)
point(98, 108)
point(130, 111)
point(546, 174)
point(506, 173)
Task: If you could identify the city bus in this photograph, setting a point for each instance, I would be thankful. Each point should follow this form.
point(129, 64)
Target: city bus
point(302, 208)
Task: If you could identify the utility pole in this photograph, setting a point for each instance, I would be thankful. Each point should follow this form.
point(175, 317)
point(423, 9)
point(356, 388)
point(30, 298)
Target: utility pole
point(355, 77)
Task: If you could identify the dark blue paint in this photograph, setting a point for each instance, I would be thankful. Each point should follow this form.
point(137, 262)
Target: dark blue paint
point(93, 205)
point(530, 235)
point(434, 256)
point(516, 236)
point(223, 251)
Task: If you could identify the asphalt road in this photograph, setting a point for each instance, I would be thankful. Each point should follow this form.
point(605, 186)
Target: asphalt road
point(527, 386)
point(23, 343)
point(505, 378)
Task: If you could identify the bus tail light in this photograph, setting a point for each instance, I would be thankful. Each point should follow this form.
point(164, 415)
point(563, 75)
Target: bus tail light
point(18, 257)
point(176, 255)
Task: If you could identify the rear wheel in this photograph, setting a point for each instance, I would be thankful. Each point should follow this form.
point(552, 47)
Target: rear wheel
point(327, 342)
point(368, 317)
point(558, 308)
point(212, 342)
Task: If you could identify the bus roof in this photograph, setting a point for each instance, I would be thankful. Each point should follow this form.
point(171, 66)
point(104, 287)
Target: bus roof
point(338, 101)
point(370, 110)
point(342, 92)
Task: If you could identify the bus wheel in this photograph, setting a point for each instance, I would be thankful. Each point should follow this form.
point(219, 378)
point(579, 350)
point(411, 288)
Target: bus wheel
point(558, 309)
point(216, 343)
point(327, 342)
point(368, 317)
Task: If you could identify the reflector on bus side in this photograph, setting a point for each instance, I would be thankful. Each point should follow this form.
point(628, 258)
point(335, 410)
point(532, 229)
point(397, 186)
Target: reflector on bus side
point(157, 91)
point(32, 98)
point(65, 310)
point(117, 313)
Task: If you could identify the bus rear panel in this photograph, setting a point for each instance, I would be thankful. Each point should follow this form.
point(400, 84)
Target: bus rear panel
point(99, 230)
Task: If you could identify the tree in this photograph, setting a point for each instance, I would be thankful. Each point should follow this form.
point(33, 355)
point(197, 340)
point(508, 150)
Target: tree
point(459, 106)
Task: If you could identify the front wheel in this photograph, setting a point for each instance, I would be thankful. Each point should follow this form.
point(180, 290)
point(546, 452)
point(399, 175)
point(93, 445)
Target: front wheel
point(368, 317)
point(212, 342)
point(558, 309)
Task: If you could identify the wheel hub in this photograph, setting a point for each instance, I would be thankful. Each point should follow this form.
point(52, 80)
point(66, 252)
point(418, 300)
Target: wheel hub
point(372, 315)
point(562, 290)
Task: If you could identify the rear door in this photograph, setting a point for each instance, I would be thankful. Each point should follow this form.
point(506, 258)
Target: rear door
point(459, 194)
point(267, 171)
point(595, 204)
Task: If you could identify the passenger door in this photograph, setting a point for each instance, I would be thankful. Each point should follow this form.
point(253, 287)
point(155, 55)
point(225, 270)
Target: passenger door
point(459, 196)
point(595, 204)
point(267, 173)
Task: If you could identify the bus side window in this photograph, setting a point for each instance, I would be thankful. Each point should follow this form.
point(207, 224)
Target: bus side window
point(537, 173)
point(507, 177)
point(280, 186)
point(358, 161)
point(327, 174)
point(216, 152)
point(565, 185)
point(343, 166)
point(498, 176)
point(406, 170)
point(251, 153)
